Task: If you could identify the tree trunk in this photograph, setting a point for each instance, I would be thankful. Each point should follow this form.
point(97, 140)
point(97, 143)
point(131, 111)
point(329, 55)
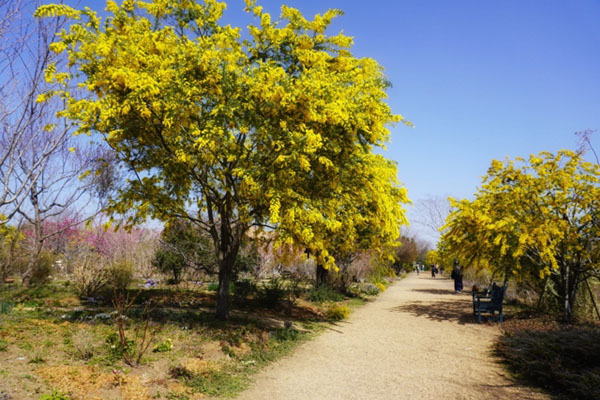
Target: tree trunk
point(225, 276)
point(568, 307)
point(321, 276)
point(592, 297)
point(38, 238)
point(539, 303)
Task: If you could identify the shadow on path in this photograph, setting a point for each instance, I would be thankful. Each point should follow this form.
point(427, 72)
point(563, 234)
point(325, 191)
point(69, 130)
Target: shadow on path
point(450, 310)
point(435, 291)
point(508, 390)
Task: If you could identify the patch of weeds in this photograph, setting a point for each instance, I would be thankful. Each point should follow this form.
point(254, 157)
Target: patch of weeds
point(323, 294)
point(83, 344)
point(68, 340)
point(116, 349)
point(355, 302)
point(213, 286)
point(55, 395)
point(37, 359)
point(3, 345)
point(177, 396)
point(25, 346)
point(80, 314)
point(281, 341)
point(32, 303)
point(162, 347)
point(28, 377)
point(217, 383)
point(236, 337)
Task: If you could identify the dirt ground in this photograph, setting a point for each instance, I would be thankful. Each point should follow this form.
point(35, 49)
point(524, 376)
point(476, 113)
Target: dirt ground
point(418, 340)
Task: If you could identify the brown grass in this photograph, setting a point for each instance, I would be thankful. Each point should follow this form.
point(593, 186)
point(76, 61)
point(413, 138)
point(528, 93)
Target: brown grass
point(84, 381)
point(564, 360)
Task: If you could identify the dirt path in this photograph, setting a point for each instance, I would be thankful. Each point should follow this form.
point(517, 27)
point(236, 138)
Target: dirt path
point(416, 341)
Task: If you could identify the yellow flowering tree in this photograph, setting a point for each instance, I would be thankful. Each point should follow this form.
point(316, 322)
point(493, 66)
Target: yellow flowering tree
point(274, 131)
point(533, 219)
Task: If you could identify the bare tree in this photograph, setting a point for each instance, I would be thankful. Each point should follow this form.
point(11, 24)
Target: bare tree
point(55, 192)
point(584, 143)
point(24, 56)
point(42, 166)
point(430, 213)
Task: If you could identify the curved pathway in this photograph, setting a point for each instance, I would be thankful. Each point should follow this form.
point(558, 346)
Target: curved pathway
point(416, 341)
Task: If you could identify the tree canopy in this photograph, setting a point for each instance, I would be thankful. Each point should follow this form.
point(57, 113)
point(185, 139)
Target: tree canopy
point(276, 130)
point(533, 219)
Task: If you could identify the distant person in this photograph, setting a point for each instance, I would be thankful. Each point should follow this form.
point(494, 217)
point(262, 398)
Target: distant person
point(433, 271)
point(442, 270)
point(457, 275)
point(417, 270)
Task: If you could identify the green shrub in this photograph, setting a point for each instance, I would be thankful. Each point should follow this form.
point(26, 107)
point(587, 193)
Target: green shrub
point(6, 306)
point(244, 289)
point(90, 273)
point(116, 350)
point(42, 268)
point(338, 312)
point(285, 334)
point(380, 273)
point(120, 274)
point(369, 289)
point(183, 248)
point(273, 293)
point(324, 293)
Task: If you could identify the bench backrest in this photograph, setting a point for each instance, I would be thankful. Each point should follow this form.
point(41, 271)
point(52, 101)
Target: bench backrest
point(497, 294)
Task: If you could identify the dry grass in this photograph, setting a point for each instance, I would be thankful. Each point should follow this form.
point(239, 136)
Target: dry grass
point(51, 341)
point(563, 360)
point(89, 382)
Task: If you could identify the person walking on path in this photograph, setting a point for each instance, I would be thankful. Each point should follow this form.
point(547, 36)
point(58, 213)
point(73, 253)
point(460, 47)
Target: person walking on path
point(457, 275)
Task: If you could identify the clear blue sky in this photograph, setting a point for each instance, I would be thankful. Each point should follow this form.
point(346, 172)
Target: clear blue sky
point(479, 79)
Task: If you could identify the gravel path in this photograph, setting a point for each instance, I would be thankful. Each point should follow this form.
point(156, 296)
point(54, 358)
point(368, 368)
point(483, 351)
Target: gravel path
point(416, 341)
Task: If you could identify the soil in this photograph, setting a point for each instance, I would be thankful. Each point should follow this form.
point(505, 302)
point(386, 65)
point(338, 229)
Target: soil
point(418, 340)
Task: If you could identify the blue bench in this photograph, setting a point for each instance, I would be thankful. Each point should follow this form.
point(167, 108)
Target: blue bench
point(489, 301)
